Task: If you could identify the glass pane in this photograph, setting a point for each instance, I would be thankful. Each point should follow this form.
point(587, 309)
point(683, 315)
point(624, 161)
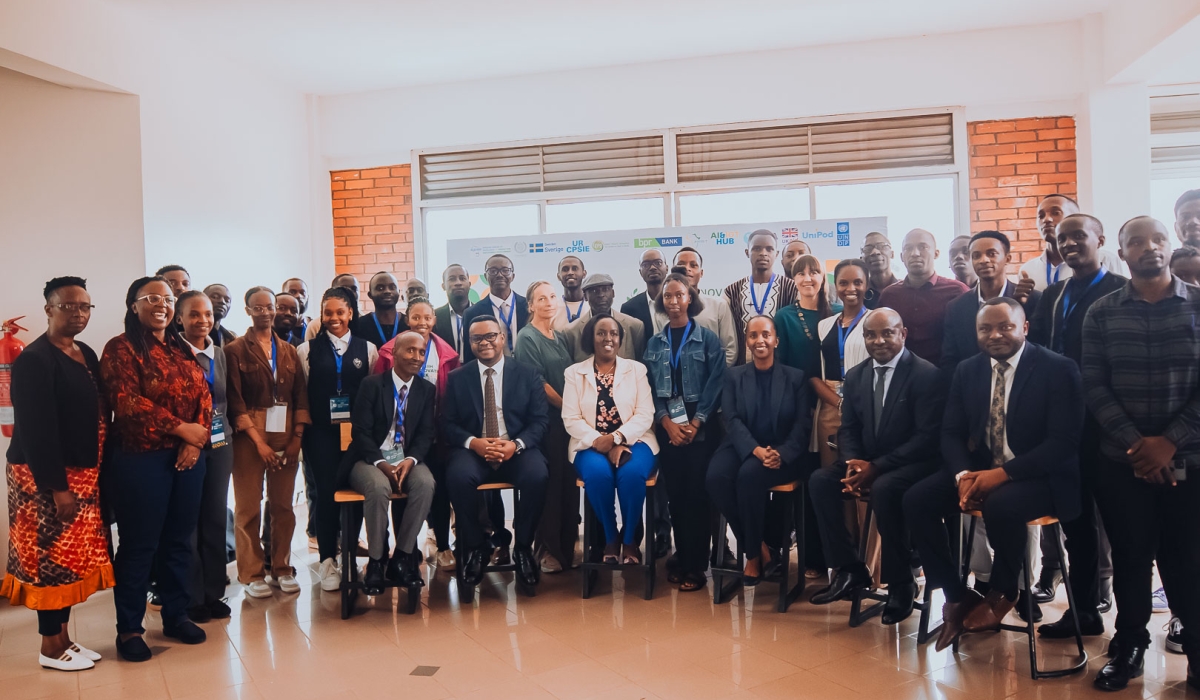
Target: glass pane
point(743, 207)
point(611, 215)
point(442, 225)
point(908, 204)
point(1163, 194)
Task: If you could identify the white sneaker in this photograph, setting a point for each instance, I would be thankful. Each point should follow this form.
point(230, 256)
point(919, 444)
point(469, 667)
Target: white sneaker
point(286, 583)
point(85, 652)
point(69, 661)
point(445, 560)
point(258, 589)
point(330, 575)
point(550, 565)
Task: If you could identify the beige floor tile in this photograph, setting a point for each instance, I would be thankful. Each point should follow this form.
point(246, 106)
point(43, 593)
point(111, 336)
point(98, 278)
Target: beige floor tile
point(580, 681)
point(863, 674)
point(750, 668)
point(804, 685)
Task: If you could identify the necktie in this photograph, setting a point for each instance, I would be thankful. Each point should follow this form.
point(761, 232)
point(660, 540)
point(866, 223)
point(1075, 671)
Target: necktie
point(880, 388)
point(400, 416)
point(508, 331)
point(491, 423)
point(996, 416)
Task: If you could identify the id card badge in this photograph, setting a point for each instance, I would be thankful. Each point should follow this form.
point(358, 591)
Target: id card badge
point(345, 435)
point(217, 437)
point(677, 410)
point(277, 418)
point(339, 409)
point(1180, 472)
point(394, 455)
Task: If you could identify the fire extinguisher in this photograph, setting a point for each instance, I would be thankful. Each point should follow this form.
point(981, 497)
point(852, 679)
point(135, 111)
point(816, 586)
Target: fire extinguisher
point(10, 347)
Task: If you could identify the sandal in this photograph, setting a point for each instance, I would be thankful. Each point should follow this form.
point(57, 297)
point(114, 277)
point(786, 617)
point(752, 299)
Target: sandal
point(692, 582)
point(674, 577)
point(631, 555)
point(612, 554)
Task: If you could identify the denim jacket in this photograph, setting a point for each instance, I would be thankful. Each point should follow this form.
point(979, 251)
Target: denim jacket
point(702, 363)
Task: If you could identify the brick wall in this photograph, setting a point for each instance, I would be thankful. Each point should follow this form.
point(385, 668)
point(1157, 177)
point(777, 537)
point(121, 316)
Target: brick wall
point(372, 223)
point(1014, 164)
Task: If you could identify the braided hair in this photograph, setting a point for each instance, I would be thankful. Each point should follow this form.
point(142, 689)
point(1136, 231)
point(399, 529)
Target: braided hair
point(345, 294)
point(135, 332)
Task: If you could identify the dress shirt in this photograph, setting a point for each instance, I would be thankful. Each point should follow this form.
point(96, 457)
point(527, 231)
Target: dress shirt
point(400, 384)
point(340, 346)
point(1008, 385)
point(924, 312)
point(510, 329)
point(209, 349)
point(498, 385)
point(887, 377)
point(1036, 268)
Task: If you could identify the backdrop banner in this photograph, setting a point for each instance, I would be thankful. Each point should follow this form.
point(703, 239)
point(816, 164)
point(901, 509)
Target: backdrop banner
point(618, 253)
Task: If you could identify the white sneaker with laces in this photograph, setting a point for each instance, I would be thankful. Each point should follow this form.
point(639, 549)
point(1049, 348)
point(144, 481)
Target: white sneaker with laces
point(286, 583)
point(68, 661)
point(330, 575)
point(85, 652)
point(1159, 602)
point(258, 589)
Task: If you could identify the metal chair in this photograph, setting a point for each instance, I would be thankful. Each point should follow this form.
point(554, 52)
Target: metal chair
point(489, 567)
point(592, 569)
point(351, 511)
point(794, 520)
point(859, 615)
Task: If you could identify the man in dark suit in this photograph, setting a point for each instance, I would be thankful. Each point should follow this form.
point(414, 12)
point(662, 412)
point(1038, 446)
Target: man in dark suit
point(495, 416)
point(1010, 444)
point(392, 431)
point(653, 269)
point(891, 421)
point(448, 319)
point(503, 304)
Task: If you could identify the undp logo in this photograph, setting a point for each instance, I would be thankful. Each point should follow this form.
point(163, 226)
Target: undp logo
point(843, 234)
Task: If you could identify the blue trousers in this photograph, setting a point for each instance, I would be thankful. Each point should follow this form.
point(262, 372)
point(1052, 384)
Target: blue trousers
point(605, 484)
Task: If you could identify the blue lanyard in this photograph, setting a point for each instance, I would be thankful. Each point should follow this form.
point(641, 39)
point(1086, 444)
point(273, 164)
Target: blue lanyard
point(678, 354)
point(578, 311)
point(208, 376)
point(512, 309)
point(395, 327)
point(458, 345)
point(1067, 306)
point(337, 360)
point(1057, 272)
point(426, 362)
point(398, 437)
point(844, 333)
point(758, 308)
point(303, 328)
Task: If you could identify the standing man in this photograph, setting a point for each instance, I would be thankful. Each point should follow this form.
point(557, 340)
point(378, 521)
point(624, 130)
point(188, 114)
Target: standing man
point(715, 314)
point(448, 318)
point(763, 292)
point(502, 303)
point(299, 290)
point(653, 269)
point(599, 292)
point(921, 299)
point(960, 260)
point(218, 294)
point(1058, 325)
point(888, 441)
point(386, 321)
point(990, 255)
point(1187, 218)
point(287, 319)
point(877, 253)
point(414, 288)
point(791, 251)
point(1048, 268)
point(1141, 363)
point(571, 274)
point(177, 277)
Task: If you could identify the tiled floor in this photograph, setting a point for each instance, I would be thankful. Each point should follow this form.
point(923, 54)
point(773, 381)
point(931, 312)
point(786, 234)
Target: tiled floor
point(500, 645)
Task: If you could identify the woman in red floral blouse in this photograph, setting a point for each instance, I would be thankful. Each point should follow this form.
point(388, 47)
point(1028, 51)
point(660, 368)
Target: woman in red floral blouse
point(162, 417)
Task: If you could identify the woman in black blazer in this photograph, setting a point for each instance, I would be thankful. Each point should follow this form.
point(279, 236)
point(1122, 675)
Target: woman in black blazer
point(768, 421)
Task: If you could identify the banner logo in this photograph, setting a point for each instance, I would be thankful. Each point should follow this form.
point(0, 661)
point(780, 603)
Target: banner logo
point(658, 242)
point(843, 234)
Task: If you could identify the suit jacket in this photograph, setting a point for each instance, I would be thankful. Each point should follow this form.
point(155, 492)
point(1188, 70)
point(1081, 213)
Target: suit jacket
point(633, 347)
point(1046, 327)
point(789, 403)
point(631, 394)
point(1043, 422)
point(523, 403)
point(484, 307)
point(910, 427)
point(639, 308)
point(443, 325)
point(958, 340)
point(447, 362)
point(374, 413)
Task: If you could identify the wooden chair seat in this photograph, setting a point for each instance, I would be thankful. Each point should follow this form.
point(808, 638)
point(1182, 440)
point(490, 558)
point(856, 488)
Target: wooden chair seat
point(352, 496)
point(785, 488)
point(727, 580)
point(494, 486)
point(1047, 520)
point(652, 480)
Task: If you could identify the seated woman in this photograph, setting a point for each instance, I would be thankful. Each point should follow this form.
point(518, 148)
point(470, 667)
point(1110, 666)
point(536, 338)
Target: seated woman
point(608, 411)
point(768, 419)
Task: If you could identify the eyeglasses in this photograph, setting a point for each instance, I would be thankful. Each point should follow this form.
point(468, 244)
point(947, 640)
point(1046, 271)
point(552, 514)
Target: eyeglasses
point(648, 264)
point(156, 299)
point(489, 338)
point(872, 247)
point(72, 307)
point(259, 309)
point(498, 271)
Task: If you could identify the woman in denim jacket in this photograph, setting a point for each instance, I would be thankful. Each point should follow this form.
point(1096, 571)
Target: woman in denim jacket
point(686, 368)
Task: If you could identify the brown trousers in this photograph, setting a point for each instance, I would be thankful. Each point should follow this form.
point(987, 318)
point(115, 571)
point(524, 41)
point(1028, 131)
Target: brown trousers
point(249, 472)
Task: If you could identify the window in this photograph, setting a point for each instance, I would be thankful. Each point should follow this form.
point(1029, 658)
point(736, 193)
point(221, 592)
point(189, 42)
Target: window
point(1163, 194)
point(445, 225)
point(608, 215)
point(746, 207)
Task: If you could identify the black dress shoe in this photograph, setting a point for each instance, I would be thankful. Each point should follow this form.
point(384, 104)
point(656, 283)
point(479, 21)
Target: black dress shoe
point(1022, 602)
point(1127, 664)
point(900, 601)
point(219, 610)
point(1089, 626)
point(133, 649)
point(662, 542)
point(406, 571)
point(1047, 585)
point(185, 631)
point(845, 583)
point(501, 557)
point(528, 571)
point(199, 613)
point(771, 570)
point(374, 579)
point(1106, 597)
point(470, 566)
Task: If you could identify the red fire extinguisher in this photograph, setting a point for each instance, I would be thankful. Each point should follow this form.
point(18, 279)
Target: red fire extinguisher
point(10, 347)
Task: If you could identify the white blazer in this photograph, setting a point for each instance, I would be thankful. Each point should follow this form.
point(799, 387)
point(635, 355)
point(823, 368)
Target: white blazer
point(856, 348)
point(631, 392)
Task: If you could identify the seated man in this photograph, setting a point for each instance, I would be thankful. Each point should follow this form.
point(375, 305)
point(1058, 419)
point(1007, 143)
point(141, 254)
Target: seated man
point(495, 414)
point(1010, 442)
point(392, 431)
point(891, 420)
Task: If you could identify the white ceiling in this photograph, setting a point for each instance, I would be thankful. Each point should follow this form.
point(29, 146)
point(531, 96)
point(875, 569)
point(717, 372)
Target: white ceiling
point(324, 47)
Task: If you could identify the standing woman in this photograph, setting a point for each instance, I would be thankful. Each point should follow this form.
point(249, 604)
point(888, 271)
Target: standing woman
point(268, 406)
point(842, 347)
point(162, 421)
point(207, 587)
point(335, 363)
point(538, 344)
point(58, 543)
point(686, 364)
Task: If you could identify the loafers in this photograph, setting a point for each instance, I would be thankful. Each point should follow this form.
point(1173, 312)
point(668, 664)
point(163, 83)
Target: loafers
point(953, 615)
point(987, 616)
point(67, 661)
point(219, 610)
point(185, 631)
point(845, 583)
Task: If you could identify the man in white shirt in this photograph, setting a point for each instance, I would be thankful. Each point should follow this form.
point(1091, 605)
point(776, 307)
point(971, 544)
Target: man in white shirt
point(571, 304)
point(1048, 268)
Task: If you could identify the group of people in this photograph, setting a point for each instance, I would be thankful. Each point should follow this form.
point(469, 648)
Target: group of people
point(1070, 391)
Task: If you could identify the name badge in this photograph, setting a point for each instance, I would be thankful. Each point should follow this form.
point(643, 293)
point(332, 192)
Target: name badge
point(217, 437)
point(277, 418)
point(677, 410)
point(1180, 471)
point(339, 409)
point(394, 455)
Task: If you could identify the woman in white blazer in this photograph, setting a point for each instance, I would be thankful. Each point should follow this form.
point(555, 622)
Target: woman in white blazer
point(842, 348)
point(608, 411)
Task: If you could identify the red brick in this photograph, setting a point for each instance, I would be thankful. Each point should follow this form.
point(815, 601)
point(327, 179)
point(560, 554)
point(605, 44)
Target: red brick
point(389, 219)
point(1035, 168)
point(997, 150)
point(401, 170)
point(361, 201)
point(376, 172)
point(377, 211)
point(377, 248)
point(344, 175)
point(982, 204)
point(378, 192)
point(993, 127)
point(995, 214)
point(347, 231)
point(982, 139)
point(350, 211)
point(1066, 167)
point(339, 185)
point(1030, 235)
point(1064, 122)
point(361, 239)
point(982, 161)
point(995, 171)
point(1057, 178)
point(401, 182)
point(1029, 212)
point(390, 201)
point(339, 204)
point(981, 182)
point(360, 184)
point(352, 259)
point(977, 226)
point(1023, 246)
point(1016, 137)
point(390, 237)
point(1017, 202)
point(391, 257)
point(1055, 156)
point(1016, 181)
point(1049, 134)
point(1035, 146)
point(351, 194)
point(377, 229)
point(1030, 124)
point(1066, 144)
point(360, 221)
point(350, 250)
point(995, 192)
point(1016, 159)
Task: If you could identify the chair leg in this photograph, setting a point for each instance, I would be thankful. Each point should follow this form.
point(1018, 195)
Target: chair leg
point(718, 547)
point(1062, 557)
point(785, 563)
point(347, 561)
point(924, 634)
point(965, 564)
point(1033, 661)
point(857, 614)
point(648, 565)
point(588, 573)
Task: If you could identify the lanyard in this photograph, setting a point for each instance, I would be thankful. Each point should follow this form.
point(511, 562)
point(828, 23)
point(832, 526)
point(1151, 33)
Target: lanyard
point(398, 436)
point(395, 327)
point(337, 360)
point(512, 309)
point(274, 372)
point(1067, 306)
point(1057, 272)
point(578, 311)
point(758, 308)
point(844, 333)
point(678, 354)
point(458, 339)
point(426, 362)
point(208, 376)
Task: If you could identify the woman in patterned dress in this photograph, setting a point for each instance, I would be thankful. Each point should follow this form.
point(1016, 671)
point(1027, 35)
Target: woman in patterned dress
point(58, 545)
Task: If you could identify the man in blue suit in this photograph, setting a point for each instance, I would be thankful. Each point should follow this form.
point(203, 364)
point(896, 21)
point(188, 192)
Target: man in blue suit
point(495, 416)
point(1010, 444)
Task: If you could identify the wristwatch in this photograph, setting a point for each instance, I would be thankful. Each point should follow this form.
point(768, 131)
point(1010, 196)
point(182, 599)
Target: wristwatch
point(618, 438)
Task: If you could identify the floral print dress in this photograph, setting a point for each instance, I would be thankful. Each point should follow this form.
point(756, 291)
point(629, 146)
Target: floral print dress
point(608, 418)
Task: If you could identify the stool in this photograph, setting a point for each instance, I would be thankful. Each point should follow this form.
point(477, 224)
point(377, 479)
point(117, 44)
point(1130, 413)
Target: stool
point(1056, 533)
point(793, 520)
point(592, 569)
point(488, 566)
point(858, 615)
point(351, 511)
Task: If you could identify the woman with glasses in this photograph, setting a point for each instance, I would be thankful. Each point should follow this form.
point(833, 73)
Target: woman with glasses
point(268, 407)
point(162, 421)
point(842, 347)
point(59, 544)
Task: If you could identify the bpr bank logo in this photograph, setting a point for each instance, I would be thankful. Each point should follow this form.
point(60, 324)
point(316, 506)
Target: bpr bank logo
point(658, 242)
point(843, 234)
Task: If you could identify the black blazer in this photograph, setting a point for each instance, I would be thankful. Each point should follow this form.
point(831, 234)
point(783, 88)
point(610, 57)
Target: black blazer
point(959, 340)
point(443, 326)
point(639, 308)
point(484, 307)
point(1046, 326)
point(911, 424)
point(374, 413)
point(789, 403)
point(1043, 423)
point(523, 402)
